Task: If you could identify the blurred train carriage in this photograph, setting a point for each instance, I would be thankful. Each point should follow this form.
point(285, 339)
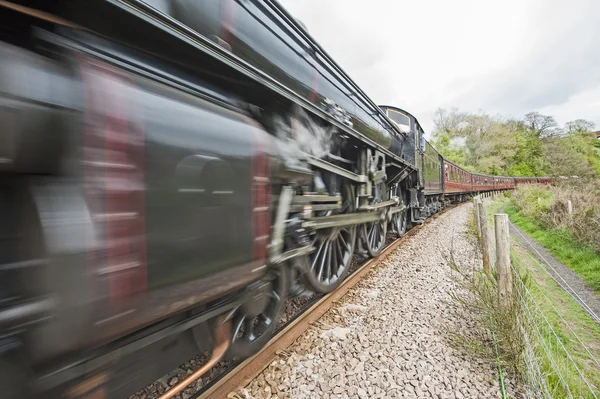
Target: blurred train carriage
point(170, 179)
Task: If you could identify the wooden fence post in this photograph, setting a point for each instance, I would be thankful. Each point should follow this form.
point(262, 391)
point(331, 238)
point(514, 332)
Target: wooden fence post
point(503, 259)
point(485, 242)
point(476, 200)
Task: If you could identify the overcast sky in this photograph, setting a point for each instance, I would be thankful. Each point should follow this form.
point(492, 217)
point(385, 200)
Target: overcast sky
point(505, 57)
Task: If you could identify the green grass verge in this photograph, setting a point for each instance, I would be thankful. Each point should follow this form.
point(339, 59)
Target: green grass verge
point(582, 260)
point(569, 329)
point(494, 207)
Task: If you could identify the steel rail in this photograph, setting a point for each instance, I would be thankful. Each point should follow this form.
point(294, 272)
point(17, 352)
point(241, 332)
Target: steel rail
point(250, 368)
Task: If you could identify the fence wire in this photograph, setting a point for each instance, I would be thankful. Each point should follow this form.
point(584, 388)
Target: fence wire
point(555, 275)
point(556, 361)
point(551, 370)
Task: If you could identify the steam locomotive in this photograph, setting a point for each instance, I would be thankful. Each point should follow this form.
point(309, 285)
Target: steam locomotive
point(172, 171)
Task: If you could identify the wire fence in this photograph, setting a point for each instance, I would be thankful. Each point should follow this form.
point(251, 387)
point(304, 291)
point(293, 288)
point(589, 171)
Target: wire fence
point(556, 360)
point(547, 268)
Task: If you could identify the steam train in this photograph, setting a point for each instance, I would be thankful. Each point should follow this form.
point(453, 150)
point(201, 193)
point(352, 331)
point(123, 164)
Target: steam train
point(172, 171)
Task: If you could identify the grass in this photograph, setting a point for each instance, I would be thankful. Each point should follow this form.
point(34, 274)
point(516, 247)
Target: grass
point(568, 329)
point(564, 327)
point(564, 339)
point(477, 294)
point(581, 259)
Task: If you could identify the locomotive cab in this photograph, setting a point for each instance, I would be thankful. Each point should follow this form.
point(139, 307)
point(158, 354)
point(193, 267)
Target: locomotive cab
point(400, 119)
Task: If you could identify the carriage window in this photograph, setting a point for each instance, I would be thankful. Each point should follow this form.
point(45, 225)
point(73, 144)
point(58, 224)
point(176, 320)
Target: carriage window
point(401, 120)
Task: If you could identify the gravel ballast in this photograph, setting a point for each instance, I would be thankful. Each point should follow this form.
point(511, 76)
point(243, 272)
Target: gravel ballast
point(388, 337)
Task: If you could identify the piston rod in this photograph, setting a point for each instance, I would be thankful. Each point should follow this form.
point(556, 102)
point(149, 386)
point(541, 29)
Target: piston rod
point(396, 209)
point(379, 205)
point(325, 222)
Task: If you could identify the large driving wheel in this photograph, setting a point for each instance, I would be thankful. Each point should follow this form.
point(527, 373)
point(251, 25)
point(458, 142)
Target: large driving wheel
point(399, 221)
point(373, 234)
point(332, 249)
point(256, 320)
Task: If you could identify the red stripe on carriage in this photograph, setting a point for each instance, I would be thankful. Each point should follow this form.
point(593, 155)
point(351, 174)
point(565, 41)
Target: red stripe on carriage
point(260, 197)
point(114, 180)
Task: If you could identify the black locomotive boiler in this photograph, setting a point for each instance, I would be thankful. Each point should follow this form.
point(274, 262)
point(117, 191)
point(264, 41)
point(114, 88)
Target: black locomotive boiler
point(172, 171)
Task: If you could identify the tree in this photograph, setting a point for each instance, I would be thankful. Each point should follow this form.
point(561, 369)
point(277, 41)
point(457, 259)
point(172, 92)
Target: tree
point(574, 153)
point(449, 122)
point(447, 136)
point(529, 155)
point(571, 156)
point(543, 126)
point(532, 146)
point(579, 126)
point(475, 141)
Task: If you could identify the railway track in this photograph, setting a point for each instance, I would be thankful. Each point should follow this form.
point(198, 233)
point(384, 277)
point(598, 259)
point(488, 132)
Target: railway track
point(243, 373)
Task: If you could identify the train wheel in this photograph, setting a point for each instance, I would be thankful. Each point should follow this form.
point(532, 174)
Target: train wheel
point(332, 250)
point(373, 234)
point(374, 237)
point(256, 321)
point(399, 222)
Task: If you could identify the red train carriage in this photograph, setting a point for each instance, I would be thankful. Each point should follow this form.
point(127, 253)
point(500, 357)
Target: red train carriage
point(511, 182)
point(544, 180)
point(483, 182)
point(504, 183)
point(525, 180)
point(456, 179)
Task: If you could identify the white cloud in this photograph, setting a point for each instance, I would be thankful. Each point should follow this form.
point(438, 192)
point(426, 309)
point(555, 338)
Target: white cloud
point(500, 56)
point(584, 105)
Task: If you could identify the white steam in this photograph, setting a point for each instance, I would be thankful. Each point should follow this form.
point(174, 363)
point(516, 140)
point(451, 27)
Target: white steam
point(301, 133)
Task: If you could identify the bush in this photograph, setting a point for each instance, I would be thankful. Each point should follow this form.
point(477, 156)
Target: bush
point(533, 201)
point(548, 206)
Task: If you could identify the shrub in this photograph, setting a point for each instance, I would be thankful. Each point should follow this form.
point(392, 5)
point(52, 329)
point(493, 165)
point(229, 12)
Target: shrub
point(548, 206)
point(533, 201)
